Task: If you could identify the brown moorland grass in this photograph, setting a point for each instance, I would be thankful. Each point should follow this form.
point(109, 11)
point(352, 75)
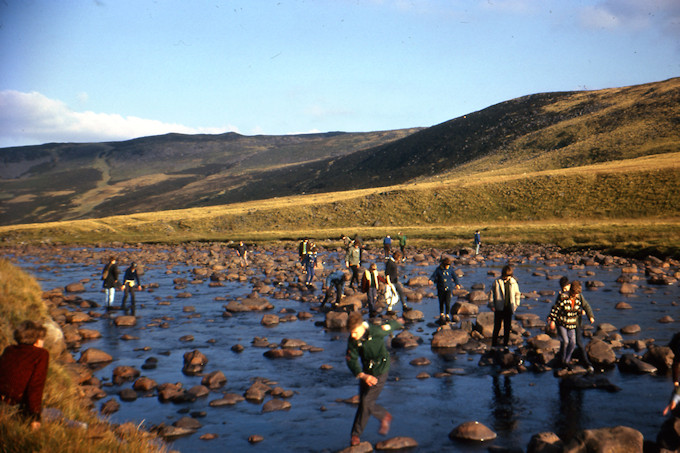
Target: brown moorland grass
point(20, 299)
point(631, 202)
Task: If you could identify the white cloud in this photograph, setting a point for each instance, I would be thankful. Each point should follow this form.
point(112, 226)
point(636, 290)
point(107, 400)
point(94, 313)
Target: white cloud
point(32, 118)
point(663, 15)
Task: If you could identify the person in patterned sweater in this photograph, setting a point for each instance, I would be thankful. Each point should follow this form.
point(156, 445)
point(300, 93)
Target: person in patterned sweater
point(565, 315)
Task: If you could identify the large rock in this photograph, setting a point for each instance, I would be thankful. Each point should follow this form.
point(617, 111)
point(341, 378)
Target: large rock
point(396, 443)
point(194, 362)
point(229, 399)
point(472, 431)
point(413, 315)
point(144, 384)
point(336, 320)
point(628, 363)
point(125, 321)
point(94, 356)
point(446, 337)
point(419, 281)
point(123, 374)
point(601, 354)
point(659, 356)
point(405, 340)
point(619, 439)
point(478, 297)
point(269, 320)
point(214, 380)
point(257, 391)
point(464, 309)
point(75, 288)
point(545, 443)
point(276, 405)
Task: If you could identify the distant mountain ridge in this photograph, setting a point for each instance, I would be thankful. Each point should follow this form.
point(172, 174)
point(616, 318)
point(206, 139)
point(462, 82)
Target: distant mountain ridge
point(536, 132)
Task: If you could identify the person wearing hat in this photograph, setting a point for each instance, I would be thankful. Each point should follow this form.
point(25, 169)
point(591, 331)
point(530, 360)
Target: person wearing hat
point(445, 280)
point(130, 282)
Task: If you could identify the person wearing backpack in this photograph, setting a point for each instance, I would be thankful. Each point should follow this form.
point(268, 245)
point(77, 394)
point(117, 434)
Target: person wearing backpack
point(369, 285)
point(110, 278)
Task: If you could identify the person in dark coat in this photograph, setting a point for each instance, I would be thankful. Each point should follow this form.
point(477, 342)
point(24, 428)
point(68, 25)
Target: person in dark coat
point(23, 371)
point(131, 284)
point(335, 280)
point(445, 280)
point(110, 277)
point(366, 343)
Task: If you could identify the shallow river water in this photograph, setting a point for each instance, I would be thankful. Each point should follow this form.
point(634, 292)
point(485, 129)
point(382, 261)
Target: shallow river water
point(515, 407)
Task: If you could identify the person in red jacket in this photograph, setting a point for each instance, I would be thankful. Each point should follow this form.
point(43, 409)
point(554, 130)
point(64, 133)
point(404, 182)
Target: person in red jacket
point(23, 371)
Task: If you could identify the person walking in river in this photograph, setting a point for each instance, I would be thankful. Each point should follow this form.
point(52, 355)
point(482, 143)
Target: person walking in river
point(504, 299)
point(353, 262)
point(392, 277)
point(445, 279)
point(369, 285)
point(110, 278)
point(242, 252)
point(387, 245)
point(564, 315)
point(310, 264)
point(478, 241)
point(586, 310)
point(366, 343)
point(335, 280)
point(131, 284)
point(402, 244)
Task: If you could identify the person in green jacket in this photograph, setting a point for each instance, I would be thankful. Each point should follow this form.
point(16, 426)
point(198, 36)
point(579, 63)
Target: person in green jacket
point(402, 244)
point(366, 341)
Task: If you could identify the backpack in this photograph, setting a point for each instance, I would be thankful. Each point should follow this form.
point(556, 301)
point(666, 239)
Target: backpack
point(105, 274)
point(365, 284)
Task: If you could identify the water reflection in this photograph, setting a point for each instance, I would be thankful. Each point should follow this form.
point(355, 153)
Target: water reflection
point(568, 420)
point(503, 404)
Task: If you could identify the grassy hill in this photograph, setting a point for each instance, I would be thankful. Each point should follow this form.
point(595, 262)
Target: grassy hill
point(63, 181)
point(533, 133)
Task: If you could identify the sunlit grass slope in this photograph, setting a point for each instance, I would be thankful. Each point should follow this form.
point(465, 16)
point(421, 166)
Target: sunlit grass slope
point(20, 299)
point(631, 202)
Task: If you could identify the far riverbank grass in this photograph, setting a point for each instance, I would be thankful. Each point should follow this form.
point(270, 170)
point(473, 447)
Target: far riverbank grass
point(628, 205)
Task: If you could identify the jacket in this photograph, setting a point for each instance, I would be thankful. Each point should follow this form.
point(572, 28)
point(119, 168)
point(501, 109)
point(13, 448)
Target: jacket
point(497, 295)
point(563, 313)
point(111, 279)
point(334, 278)
point(392, 270)
point(23, 371)
point(353, 256)
point(444, 279)
point(375, 359)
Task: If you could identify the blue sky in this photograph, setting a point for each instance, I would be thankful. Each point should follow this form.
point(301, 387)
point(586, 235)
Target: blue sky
point(80, 71)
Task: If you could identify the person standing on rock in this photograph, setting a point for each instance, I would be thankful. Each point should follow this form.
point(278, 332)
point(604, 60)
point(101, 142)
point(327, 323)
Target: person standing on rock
point(586, 310)
point(564, 314)
point(23, 371)
point(478, 241)
point(369, 285)
point(242, 252)
point(392, 276)
point(402, 244)
point(353, 262)
point(131, 284)
point(504, 299)
point(335, 280)
point(445, 280)
point(387, 245)
point(310, 264)
point(110, 277)
point(366, 343)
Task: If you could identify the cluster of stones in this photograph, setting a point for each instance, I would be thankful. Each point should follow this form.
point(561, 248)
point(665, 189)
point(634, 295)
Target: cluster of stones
point(278, 277)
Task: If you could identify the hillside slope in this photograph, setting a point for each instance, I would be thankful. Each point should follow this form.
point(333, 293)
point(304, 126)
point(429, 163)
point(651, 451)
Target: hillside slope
point(62, 181)
point(533, 133)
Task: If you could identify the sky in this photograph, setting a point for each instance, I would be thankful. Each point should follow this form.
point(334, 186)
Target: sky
point(109, 70)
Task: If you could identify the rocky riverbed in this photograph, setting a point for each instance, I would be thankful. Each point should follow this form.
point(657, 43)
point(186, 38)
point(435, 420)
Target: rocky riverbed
point(223, 358)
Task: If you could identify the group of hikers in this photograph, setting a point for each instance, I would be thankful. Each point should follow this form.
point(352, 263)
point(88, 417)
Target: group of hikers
point(23, 367)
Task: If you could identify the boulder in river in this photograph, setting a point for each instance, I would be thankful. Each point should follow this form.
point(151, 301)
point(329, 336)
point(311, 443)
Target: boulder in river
point(620, 439)
point(472, 431)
